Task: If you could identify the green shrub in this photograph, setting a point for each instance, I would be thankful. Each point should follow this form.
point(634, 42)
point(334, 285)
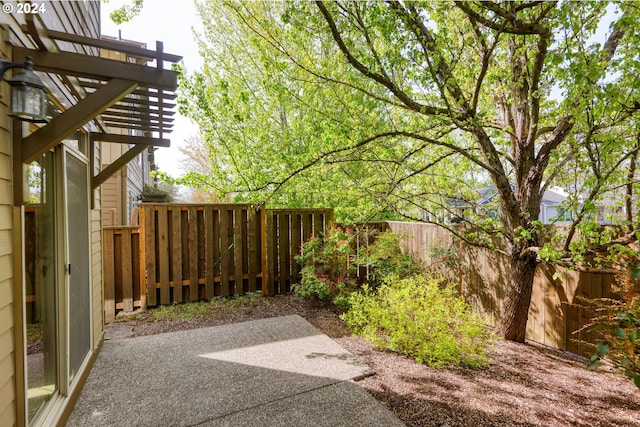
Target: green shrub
point(417, 317)
point(384, 258)
point(327, 267)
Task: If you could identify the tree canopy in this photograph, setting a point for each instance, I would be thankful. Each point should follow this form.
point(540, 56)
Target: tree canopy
point(413, 107)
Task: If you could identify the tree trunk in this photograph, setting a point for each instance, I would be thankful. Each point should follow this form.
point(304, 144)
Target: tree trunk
point(515, 312)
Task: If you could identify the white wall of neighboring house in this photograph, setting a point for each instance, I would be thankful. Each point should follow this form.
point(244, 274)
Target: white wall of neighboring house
point(551, 211)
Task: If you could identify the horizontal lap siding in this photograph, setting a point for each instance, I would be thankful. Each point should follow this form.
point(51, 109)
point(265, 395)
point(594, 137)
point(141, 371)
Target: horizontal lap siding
point(96, 276)
point(78, 17)
point(7, 357)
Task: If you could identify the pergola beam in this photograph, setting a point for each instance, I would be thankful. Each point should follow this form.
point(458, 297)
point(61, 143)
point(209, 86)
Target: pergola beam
point(114, 167)
point(72, 119)
point(94, 67)
point(114, 45)
point(127, 139)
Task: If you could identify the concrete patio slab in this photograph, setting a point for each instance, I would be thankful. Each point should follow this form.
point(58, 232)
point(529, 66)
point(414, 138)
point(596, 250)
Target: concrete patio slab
point(272, 372)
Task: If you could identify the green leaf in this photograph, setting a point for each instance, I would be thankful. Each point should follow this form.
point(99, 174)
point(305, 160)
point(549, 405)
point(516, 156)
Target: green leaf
point(603, 348)
point(633, 335)
point(594, 365)
point(619, 332)
point(635, 272)
point(636, 381)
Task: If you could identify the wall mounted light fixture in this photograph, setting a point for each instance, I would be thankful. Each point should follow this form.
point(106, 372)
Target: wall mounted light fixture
point(28, 92)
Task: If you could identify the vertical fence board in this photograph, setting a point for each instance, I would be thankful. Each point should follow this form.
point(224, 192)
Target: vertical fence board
point(208, 249)
point(127, 282)
point(176, 252)
point(268, 287)
point(318, 224)
point(184, 244)
point(296, 233)
point(238, 248)
point(150, 256)
point(216, 250)
point(163, 254)
point(283, 252)
point(224, 251)
point(193, 254)
point(253, 240)
point(306, 226)
point(201, 263)
point(109, 277)
point(135, 266)
point(244, 214)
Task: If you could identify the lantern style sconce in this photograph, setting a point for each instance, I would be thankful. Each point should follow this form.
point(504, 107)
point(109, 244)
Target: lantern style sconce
point(28, 93)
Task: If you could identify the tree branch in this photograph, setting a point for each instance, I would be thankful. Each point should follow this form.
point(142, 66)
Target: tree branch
point(364, 70)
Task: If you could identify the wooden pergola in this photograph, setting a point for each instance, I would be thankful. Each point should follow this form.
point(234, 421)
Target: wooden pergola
point(108, 94)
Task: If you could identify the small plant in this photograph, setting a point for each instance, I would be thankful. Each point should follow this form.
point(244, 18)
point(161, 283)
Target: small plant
point(199, 309)
point(385, 258)
point(327, 267)
point(418, 317)
point(618, 321)
point(155, 194)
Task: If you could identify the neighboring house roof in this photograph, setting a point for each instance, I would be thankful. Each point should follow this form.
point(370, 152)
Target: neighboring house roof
point(554, 197)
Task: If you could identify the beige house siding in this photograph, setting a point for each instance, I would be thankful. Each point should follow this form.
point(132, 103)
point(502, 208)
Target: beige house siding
point(96, 256)
point(7, 357)
point(74, 17)
point(96, 271)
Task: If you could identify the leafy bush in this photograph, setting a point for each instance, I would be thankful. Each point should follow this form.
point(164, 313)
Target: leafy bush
point(327, 267)
point(384, 258)
point(417, 317)
point(618, 321)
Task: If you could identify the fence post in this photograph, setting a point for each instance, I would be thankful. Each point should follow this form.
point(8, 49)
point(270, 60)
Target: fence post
point(127, 278)
point(109, 277)
point(163, 254)
point(143, 256)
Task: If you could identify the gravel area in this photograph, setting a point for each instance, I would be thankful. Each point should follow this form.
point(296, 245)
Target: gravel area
point(525, 384)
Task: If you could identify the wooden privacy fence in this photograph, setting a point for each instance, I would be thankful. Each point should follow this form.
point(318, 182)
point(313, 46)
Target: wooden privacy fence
point(197, 252)
point(556, 310)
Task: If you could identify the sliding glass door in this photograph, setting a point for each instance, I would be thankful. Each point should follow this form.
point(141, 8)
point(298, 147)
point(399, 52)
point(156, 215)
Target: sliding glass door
point(57, 308)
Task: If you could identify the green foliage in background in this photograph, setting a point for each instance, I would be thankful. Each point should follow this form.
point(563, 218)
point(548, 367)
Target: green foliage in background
point(385, 257)
point(126, 13)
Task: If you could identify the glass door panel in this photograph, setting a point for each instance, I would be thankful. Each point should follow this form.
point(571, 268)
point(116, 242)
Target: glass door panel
point(40, 293)
point(79, 287)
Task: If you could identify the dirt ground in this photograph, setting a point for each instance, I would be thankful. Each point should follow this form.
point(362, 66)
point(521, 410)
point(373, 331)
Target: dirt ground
point(525, 384)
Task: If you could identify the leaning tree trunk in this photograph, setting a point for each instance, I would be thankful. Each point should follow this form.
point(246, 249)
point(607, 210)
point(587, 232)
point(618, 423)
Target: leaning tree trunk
point(515, 311)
